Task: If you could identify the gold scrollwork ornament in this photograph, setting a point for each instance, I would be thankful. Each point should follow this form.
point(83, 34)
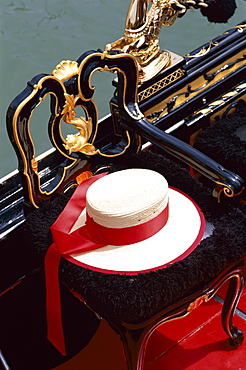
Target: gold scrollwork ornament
point(80, 141)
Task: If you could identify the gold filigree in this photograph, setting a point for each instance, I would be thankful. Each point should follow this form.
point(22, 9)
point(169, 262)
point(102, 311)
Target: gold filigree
point(65, 69)
point(79, 142)
point(160, 84)
point(239, 28)
point(69, 106)
point(197, 86)
point(222, 188)
point(228, 191)
point(203, 50)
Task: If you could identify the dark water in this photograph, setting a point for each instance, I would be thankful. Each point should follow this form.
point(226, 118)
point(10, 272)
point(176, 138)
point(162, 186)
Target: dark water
point(36, 35)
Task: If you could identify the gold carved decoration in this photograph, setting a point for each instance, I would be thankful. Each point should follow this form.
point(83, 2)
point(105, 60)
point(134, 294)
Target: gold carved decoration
point(141, 36)
point(142, 29)
point(63, 107)
point(82, 141)
point(77, 143)
point(65, 70)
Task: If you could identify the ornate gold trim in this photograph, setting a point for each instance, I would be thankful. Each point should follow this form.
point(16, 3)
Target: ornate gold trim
point(216, 102)
point(153, 89)
point(65, 70)
point(77, 143)
point(230, 94)
point(242, 86)
point(204, 111)
point(113, 70)
point(196, 86)
point(227, 190)
point(193, 305)
point(239, 28)
point(203, 51)
point(34, 164)
point(223, 99)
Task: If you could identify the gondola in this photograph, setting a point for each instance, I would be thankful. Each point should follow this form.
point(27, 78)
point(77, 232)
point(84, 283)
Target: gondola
point(162, 103)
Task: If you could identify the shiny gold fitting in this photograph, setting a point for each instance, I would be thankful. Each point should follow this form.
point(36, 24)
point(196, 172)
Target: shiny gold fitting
point(197, 303)
point(202, 3)
point(141, 35)
point(34, 165)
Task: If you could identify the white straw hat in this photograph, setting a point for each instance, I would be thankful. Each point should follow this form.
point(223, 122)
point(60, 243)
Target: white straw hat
point(136, 204)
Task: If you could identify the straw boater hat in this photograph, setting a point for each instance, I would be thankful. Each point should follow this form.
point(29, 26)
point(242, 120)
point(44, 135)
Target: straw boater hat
point(110, 292)
point(142, 223)
point(126, 222)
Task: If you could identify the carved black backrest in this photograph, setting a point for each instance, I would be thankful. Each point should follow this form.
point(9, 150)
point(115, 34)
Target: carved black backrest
point(69, 86)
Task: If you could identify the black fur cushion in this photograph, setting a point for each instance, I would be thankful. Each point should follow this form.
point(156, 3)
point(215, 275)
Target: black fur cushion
point(222, 143)
point(136, 298)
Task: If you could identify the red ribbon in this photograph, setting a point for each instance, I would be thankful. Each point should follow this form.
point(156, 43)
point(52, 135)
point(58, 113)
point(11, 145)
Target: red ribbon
point(86, 238)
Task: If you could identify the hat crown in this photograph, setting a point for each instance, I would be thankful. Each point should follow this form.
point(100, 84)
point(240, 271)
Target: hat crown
point(127, 198)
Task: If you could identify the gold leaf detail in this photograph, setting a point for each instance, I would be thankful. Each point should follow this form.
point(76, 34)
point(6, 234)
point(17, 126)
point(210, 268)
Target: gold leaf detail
point(203, 50)
point(77, 143)
point(204, 111)
point(197, 303)
point(215, 103)
point(229, 94)
point(65, 69)
point(242, 86)
point(228, 191)
point(34, 164)
point(68, 108)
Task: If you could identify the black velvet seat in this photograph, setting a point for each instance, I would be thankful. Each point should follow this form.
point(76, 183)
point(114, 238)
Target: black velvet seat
point(135, 305)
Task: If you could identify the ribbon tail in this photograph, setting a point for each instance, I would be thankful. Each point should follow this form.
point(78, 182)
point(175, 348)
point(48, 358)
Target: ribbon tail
point(55, 332)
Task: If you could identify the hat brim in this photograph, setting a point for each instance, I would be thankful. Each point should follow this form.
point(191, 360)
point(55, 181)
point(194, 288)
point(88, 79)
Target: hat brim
point(175, 241)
